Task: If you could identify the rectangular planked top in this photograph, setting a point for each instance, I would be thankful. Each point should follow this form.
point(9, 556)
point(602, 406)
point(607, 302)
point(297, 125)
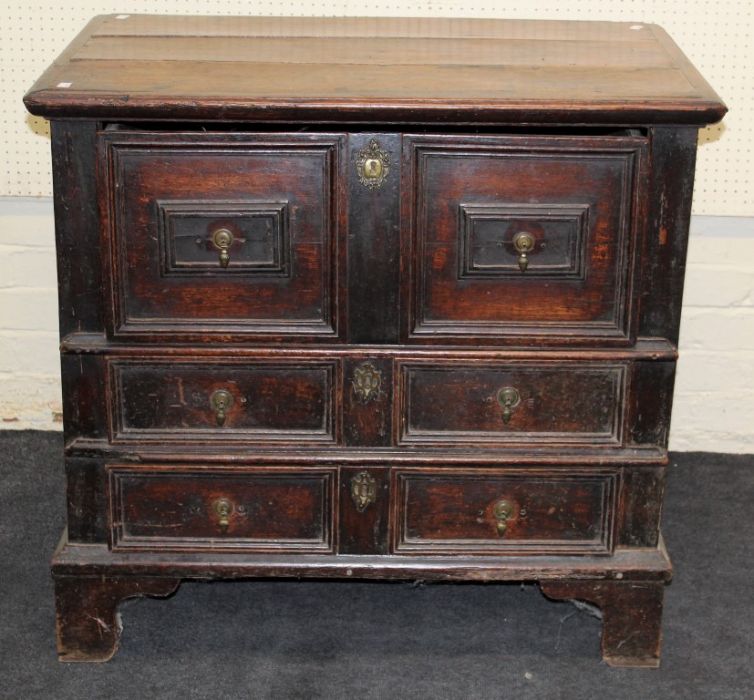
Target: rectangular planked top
point(412, 70)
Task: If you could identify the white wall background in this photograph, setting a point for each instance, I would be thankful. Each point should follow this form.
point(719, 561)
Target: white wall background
point(714, 407)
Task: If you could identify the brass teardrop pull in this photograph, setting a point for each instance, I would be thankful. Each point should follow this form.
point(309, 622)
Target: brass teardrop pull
point(222, 239)
point(523, 243)
point(502, 511)
point(509, 398)
point(223, 508)
point(221, 401)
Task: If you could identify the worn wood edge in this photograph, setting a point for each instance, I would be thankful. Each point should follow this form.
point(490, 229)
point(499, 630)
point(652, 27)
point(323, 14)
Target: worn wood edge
point(630, 661)
point(690, 72)
point(149, 24)
point(555, 455)
point(96, 343)
point(97, 560)
point(104, 612)
point(52, 103)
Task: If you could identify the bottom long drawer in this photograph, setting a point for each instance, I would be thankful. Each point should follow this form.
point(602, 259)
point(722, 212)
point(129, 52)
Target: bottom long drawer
point(400, 510)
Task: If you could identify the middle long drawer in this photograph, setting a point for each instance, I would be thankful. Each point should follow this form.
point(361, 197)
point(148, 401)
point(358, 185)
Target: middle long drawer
point(388, 399)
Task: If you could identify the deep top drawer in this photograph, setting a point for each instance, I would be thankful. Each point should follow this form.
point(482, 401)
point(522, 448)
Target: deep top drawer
point(518, 237)
point(222, 234)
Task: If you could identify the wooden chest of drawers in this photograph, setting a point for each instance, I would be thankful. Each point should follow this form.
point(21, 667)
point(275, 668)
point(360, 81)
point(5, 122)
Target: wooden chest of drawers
point(369, 299)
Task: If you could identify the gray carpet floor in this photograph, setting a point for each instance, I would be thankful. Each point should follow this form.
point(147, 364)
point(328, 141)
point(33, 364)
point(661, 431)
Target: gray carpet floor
point(286, 639)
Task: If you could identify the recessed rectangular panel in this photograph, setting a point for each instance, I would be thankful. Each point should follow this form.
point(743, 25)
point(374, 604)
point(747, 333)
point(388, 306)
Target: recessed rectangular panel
point(241, 400)
point(488, 234)
point(516, 238)
point(225, 235)
point(255, 238)
point(504, 402)
point(193, 508)
point(504, 511)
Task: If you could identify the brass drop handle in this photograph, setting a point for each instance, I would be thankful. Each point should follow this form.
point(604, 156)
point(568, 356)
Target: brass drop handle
point(503, 510)
point(523, 243)
point(508, 397)
point(221, 401)
point(223, 509)
point(222, 239)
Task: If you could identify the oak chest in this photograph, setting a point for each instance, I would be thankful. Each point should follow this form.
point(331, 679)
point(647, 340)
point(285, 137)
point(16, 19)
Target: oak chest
point(369, 298)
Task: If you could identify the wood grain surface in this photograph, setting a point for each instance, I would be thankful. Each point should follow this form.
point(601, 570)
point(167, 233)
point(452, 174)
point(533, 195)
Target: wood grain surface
point(341, 69)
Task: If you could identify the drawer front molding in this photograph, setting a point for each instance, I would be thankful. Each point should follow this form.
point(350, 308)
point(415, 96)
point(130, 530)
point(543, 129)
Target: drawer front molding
point(271, 509)
point(527, 403)
point(522, 237)
point(190, 400)
point(258, 238)
point(223, 235)
point(504, 511)
point(487, 240)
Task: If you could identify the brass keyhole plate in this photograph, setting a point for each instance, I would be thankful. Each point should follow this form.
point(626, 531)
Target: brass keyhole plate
point(372, 165)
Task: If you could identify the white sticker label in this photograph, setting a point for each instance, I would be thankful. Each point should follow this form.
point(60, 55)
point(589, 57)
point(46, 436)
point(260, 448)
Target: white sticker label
point(64, 85)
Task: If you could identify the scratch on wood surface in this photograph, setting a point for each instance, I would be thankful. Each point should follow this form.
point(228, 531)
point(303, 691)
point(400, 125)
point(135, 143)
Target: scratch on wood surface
point(102, 626)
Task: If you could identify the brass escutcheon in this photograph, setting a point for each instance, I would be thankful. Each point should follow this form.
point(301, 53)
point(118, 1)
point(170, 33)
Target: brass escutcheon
point(372, 168)
point(372, 165)
point(523, 242)
point(508, 397)
point(366, 382)
point(220, 401)
point(222, 239)
point(363, 490)
point(223, 507)
point(503, 510)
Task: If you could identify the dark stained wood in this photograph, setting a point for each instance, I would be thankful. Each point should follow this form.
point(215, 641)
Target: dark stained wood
point(457, 403)
point(634, 564)
point(272, 401)
point(87, 622)
point(453, 512)
point(468, 198)
point(277, 194)
point(179, 508)
point(368, 422)
point(650, 403)
point(643, 349)
point(669, 213)
point(582, 134)
point(86, 500)
point(364, 532)
point(422, 69)
point(641, 506)
point(373, 246)
point(84, 397)
point(564, 455)
point(77, 225)
point(631, 617)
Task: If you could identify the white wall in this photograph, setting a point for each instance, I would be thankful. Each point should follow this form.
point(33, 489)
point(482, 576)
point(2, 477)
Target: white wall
point(714, 401)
